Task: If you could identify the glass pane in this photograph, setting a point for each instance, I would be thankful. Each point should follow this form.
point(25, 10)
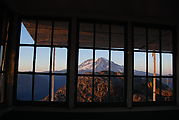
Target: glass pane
point(167, 64)
point(100, 89)
point(27, 32)
point(59, 90)
point(44, 33)
point(117, 89)
point(84, 89)
point(166, 41)
point(2, 87)
point(101, 62)
point(41, 87)
point(153, 40)
point(117, 62)
point(60, 36)
point(167, 89)
point(86, 35)
point(117, 37)
point(153, 64)
point(139, 89)
point(153, 94)
point(139, 63)
point(85, 61)
point(60, 63)
point(26, 55)
point(42, 59)
point(1, 57)
point(24, 87)
point(139, 38)
point(102, 36)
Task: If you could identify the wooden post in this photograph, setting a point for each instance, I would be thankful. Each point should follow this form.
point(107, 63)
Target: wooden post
point(73, 61)
point(154, 79)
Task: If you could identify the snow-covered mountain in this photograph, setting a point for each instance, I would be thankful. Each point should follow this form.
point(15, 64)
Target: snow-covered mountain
point(101, 64)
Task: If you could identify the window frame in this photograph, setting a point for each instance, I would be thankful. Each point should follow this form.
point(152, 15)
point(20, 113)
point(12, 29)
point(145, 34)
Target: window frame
point(159, 27)
point(50, 73)
point(109, 49)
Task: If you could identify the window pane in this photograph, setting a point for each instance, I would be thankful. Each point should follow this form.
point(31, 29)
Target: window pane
point(139, 38)
point(153, 40)
point(166, 41)
point(101, 62)
point(2, 87)
point(117, 37)
point(60, 65)
point(59, 88)
point(86, 35)
point(117, 62)
point(44, 33)
point(26, 55)
point(167, 64)
point(24, 87)
point(102, 36)
point(27, 32)
point(153, 64)
point(150, 85)
point(167, 89)
point(140, 63)
point(42, 59)
point(60, 36)
point(139, 89)
point(85, 61)
point(117, 89)
point(41, 87)
point(100, 89)
point(84, 89)
point(1, 57)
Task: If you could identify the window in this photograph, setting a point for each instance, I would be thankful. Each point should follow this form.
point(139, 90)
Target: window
point(153, 77)
point(4, 27)
point(42, 68)
point(101, 64)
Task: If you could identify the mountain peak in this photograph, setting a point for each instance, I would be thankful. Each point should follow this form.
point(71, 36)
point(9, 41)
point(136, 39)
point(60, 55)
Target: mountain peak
point(100, 64)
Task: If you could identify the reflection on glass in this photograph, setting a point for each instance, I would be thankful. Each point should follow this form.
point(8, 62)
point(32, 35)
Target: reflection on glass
point(84, 89)
point(139, 38)
point(100, 89)
point(167, 64)
point(24, 87)
point(44, 33)
point(167, 89)
point(85, 61)
point(166, 39)
point(153, 64)
point(1, 57)
point(26, 55)
point(41, 87)
point(117, 89)
point(101, 62)
point(117, 37)
point(102, 36)
point(153, 40)
point(139, 89)
point(140, 63)
point(42, 59)
point(27, 32)
point(117, 62)
point(59, 88)
point(60, 33)
point(86, 35)
point(59, 57)
point(153, 86)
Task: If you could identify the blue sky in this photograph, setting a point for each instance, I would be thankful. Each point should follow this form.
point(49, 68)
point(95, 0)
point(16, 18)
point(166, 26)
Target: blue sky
point(43, 57)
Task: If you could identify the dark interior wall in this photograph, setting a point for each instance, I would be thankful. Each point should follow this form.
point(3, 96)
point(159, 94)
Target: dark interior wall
point(166, 9)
